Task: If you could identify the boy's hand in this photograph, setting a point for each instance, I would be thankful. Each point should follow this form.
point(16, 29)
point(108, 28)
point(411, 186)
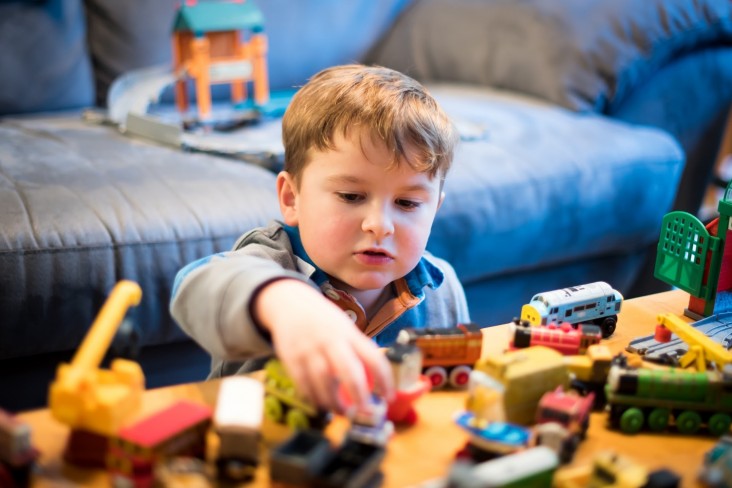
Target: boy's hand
point(320, 345)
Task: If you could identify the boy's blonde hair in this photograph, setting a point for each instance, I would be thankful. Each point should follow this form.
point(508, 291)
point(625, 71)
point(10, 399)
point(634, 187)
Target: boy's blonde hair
point(390, 106)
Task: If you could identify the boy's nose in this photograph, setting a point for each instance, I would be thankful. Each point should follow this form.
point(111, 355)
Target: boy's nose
point(378, 221)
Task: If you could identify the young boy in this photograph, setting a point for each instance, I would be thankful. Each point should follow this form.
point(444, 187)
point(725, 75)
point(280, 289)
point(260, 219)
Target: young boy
point(366, 153)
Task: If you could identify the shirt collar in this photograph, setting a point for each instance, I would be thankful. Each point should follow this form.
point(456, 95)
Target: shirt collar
point(426, 273)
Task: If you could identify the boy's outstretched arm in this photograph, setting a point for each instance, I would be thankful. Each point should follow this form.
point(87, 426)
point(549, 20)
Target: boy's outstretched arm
point(319, 344)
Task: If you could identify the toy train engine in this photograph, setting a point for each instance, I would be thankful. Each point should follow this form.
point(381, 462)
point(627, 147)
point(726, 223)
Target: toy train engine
point(562, 419)
point(597, 303)
point(533, 467)
point(238, 423)
point(563, 338)
point(447, 354)
point(656, 398)
point(179, 430)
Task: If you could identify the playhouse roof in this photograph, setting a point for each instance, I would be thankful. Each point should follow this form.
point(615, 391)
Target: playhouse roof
point(214, 16)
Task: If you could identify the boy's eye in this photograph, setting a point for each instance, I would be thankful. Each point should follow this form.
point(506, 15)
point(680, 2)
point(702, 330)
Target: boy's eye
point(408, 204)
point(350, 197)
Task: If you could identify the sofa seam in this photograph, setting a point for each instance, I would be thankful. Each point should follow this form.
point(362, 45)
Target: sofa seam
point(61, 250)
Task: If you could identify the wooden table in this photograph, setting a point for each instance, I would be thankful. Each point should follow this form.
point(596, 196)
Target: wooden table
point(424, 451)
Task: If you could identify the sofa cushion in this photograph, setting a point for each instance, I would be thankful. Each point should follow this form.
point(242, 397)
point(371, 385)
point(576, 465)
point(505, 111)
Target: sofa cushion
point(127, 35)
point(84, 206)
point(535, 185)
point(581, 54)
point(44, 64)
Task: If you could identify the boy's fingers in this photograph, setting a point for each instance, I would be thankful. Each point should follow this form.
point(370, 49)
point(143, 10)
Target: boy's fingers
point(379, 368)
point(319, 376)
point(351, 376)
point(301, 382)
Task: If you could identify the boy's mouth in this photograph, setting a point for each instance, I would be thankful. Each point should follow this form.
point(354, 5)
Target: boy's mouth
point(376, 253)
point(374, 257)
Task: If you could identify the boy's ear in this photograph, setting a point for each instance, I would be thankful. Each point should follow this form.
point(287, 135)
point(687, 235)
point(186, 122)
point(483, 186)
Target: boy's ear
point(287, 195)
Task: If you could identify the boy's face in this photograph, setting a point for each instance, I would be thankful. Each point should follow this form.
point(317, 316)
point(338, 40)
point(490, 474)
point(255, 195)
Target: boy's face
point(361, 223)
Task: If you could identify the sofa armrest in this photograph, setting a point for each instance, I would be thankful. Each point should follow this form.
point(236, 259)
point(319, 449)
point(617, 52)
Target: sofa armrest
point(583, 55)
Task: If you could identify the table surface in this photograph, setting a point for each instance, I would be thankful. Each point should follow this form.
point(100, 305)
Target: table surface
point(425, 450)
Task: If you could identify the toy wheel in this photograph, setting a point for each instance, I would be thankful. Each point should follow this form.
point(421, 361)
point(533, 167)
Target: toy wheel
point(568, 448)
point(688, 422)
point(459, 376)
point(437, 376)
point(658, 419)
point(235, 470)
point(583, 428)
point(719, 424)
point(296, 419)
point(608, 326)
point(631, 421)
point(273, 409)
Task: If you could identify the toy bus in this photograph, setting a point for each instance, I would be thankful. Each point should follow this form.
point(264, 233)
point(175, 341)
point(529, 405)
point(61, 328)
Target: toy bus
point(597, 303)
point(238, 423)
point(283, 404)
point(179, 430)
point(561, 337)
point(17, 455)
point(448, 354)
point(639, 397)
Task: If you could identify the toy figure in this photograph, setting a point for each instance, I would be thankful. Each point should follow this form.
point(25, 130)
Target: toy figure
point(409, 382)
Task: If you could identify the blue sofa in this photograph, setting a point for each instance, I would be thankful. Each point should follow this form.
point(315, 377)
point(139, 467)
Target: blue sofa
point(582, 124)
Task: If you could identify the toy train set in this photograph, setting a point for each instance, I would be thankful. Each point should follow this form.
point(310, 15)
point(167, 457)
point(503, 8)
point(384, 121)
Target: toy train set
point(531, 403)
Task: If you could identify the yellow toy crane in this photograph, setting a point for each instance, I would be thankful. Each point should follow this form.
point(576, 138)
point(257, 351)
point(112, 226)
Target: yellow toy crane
point(86, 397)
point(702, 349)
